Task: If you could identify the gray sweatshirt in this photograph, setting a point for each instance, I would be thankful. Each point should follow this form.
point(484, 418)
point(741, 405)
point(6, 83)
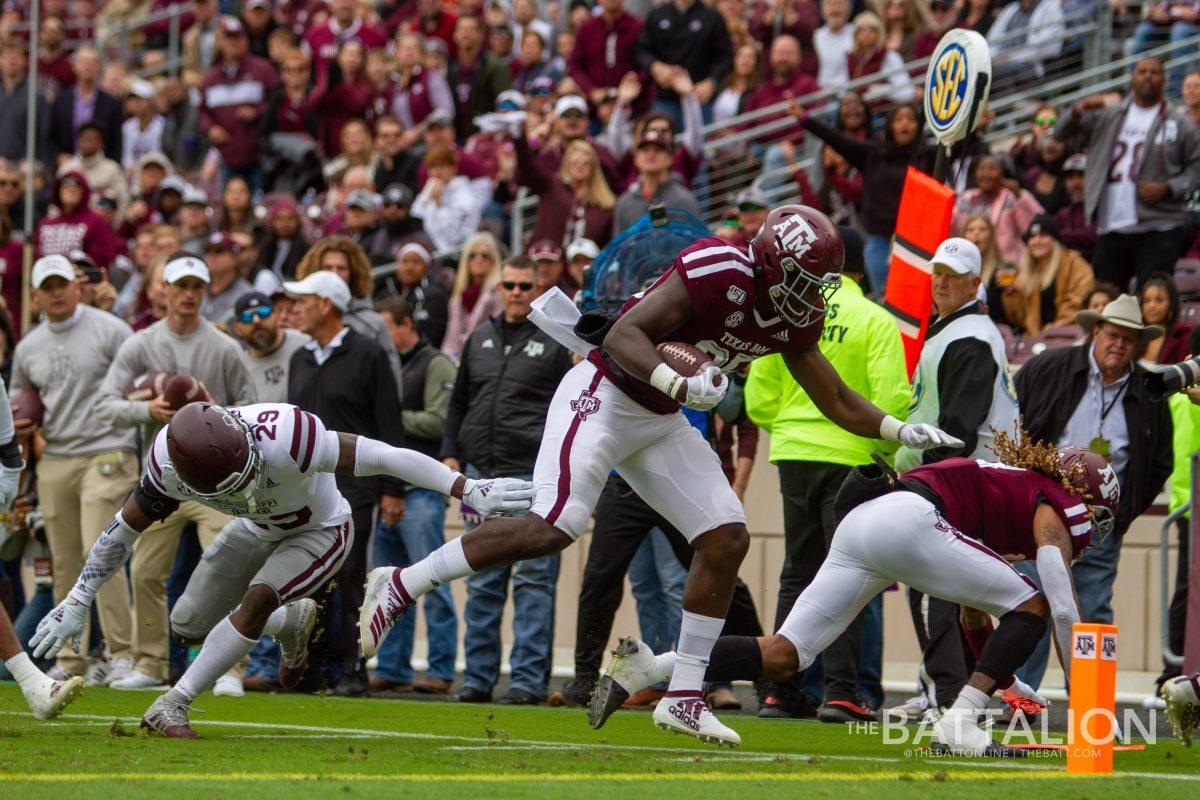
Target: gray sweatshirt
point(206, 354)
point(270, 372)
point(67, 362)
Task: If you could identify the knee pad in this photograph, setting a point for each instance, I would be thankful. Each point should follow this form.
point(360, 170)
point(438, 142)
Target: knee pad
point(1011, 645)
point(185, 627)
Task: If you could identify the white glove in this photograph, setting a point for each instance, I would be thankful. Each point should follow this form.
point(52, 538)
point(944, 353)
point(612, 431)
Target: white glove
point(493, 497)
point(10, 478)
point(64, 623)
point(702, 392)
point(920, 436)
point(1022, 689)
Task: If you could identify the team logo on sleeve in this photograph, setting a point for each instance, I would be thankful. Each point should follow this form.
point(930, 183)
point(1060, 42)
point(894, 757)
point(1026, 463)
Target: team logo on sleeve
point(586, 405)
point(736, 295)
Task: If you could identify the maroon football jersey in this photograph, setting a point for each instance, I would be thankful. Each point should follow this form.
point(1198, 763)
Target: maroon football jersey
point(726, 320)
point(995, 503)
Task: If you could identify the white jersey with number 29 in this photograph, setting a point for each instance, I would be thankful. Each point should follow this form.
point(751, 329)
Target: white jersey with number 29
point(298, 492)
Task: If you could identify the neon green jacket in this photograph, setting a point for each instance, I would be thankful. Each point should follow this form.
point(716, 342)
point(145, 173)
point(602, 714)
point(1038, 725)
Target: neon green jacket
point(1185, 416)
point(862, 342)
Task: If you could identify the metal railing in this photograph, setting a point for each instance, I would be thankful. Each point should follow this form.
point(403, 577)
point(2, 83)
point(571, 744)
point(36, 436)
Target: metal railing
point(1164, 597)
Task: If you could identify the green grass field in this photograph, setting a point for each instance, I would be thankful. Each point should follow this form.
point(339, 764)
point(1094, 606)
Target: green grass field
point(264, 746)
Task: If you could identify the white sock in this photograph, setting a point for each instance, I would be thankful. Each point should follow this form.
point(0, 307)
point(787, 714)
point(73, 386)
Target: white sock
point(276, 622)
point(223, 647)
point(445, 564)
point(697, 635)
point(23, 669)
point(971, 698)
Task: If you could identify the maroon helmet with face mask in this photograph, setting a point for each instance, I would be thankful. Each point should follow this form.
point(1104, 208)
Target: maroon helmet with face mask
point(798, 253)
point(1094, 480)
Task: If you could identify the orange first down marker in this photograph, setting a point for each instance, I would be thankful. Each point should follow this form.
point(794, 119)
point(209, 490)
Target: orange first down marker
point(1092, 716)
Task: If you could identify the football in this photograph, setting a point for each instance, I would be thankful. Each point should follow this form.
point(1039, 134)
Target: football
point(179, 390)
point(27, 404)
point(685, 359)
point(146, 386)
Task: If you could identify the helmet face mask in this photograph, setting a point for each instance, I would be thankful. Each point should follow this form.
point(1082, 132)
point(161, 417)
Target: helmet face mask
point(1095, 482)
point(798, 255)
point(801, 299)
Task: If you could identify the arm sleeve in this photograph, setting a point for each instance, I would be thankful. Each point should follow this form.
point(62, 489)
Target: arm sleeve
point(111, 406)
point(430, 422)
point(529, 170)
point(693, 125)
point(966, 367)
point(1187, 181)
point(618, 136)
point(372, 457)
point(1056, 585)
point(576, 69)
point(108, 554)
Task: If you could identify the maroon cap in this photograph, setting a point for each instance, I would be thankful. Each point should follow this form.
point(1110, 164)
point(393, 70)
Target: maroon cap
point(223, 241)
point(545, 250)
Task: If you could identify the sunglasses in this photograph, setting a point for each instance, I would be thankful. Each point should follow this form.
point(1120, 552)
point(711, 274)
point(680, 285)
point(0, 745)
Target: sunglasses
point(524, 286)
point(262, 312)
point(508, 105)
point(1045, 121)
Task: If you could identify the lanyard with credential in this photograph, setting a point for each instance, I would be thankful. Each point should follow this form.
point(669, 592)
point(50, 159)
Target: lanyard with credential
point(1099, 445)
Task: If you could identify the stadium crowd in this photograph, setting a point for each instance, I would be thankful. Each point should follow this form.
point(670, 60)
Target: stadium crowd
point(387, 144)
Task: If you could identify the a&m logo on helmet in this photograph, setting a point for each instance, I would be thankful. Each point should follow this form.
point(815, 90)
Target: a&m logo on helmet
point(794, 235)
point(1109, 487)
point(947, 86)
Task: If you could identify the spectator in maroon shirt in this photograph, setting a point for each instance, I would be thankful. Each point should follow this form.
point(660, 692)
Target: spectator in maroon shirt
point(76, 226)
point(418, 90)
point(605, 49)
point(323, 42)
point(297, 15)
point(943, 15)
point(290, 109)
point(795, 18)
point(786, 82)
point(428, 18)
point(439, 130)
point(575, 202)
point(159, 31)
point(232, 99)
point(345, 94)
point(1075, 231)
point(571, 124)
point(54, 62)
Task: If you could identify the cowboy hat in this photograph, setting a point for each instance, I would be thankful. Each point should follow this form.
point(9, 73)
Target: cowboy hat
point(1125, 312)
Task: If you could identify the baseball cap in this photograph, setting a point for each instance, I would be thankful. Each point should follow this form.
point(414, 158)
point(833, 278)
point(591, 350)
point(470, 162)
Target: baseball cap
point(511, 98)
point(222, 241)
point(418, 249)
point(51, 267)
point(232, 26)
point(570, 102)
point(541, 29)
point(539, 87)
point(322, 283)
point(142, 88)
point(656, 138)
point(194, 196)
point(250, 301)
point(960, 255)
point(545, 250)
point(186, 267)
point(397, 195)
point(257, 4)
point(173, 183)
point(582, 248)
point(439, 116)
point(1075, 163)
point(1042, 223)
point(363, 200)
point(750, 197)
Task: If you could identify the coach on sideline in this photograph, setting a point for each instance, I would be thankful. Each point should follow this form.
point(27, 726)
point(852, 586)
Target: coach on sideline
point(814, 456)
point(87, 467)
point(346, 380)
point(182, 343)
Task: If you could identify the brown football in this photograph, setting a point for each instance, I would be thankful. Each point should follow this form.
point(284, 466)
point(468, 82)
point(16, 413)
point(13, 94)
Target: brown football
point(685, 359)
point(179, 390)
point(147, 386)
point(27, 404)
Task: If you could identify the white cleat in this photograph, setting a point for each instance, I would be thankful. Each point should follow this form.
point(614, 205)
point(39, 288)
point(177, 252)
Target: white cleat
point(137, 682)
point(689, 714)
point(911, 710)
point(633, 667)
point(958, 733)
point(97, 673)
point(1182, 695)
point(47, 697)
point(228, 686)
point(122, 668)
point(293, 641)
point(384, 600)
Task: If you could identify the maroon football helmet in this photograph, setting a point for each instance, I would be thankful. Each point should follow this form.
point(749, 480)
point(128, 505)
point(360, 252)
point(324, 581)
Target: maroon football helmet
point(798, 253)
point(1095, 481)
point(213, 452)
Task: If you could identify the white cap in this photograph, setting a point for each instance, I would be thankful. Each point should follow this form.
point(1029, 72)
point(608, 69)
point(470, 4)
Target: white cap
point(322, 283)
point(960, 255)
point(142, 88)
point(568, 102)
point(582, 247)
point(418, 249)
point(50, 267)
point(186, 267)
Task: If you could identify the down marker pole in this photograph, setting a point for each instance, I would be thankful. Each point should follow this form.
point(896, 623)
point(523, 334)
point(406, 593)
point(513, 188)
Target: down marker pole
point(1091, 718)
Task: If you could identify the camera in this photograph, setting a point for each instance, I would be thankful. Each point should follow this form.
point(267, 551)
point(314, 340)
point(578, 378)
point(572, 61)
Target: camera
point(1166, 381)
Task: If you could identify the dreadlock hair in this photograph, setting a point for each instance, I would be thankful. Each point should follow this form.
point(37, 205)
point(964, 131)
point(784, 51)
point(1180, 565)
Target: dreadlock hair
point(1040, 457)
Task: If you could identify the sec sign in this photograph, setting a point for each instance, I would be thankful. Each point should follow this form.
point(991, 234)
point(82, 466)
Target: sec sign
point(955, 69)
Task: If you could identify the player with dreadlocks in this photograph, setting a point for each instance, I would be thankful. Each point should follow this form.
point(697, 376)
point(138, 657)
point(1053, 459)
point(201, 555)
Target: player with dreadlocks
point(949, 529)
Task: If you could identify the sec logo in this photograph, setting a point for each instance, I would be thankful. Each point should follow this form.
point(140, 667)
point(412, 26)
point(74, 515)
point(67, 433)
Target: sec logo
point(947, 86)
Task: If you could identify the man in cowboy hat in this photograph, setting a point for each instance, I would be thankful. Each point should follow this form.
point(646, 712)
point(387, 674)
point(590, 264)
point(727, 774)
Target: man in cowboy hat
point(1092, 396)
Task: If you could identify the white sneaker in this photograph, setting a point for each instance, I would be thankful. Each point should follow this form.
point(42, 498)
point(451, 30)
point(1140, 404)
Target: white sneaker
point(47, 697)
point(1183, 706)
point(228, 686)
point(122, 668)
point(384, 600)
point(97, 673)
point(689, 714)
point(910, 710)
point(136, 682)
point(958, 731)
point(633, 667)
point(57, 673)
